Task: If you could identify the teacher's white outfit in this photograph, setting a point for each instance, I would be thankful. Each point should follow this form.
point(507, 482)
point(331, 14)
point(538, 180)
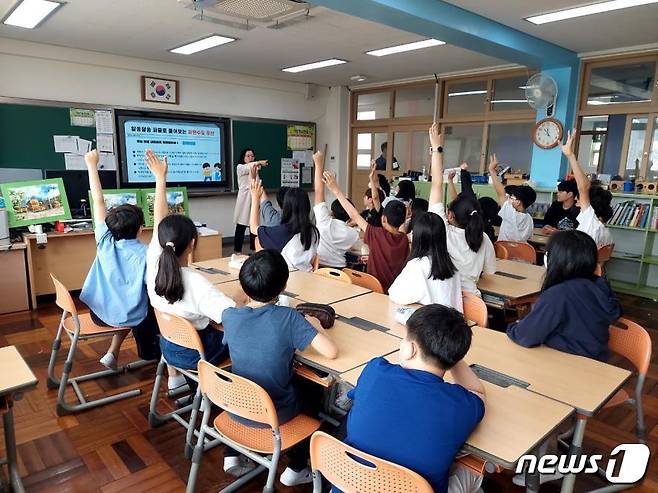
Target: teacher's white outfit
point(242, 206)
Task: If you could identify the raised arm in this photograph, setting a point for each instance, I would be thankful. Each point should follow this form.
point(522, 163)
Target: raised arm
point(256, 189)
point(436, 140)
point(318, 162)
point(495, 179)
point(581, 178)
point(329, 179)
point(373, 183)
point(91, 160)
point(159, 169)
point(452, 190)
point(464, 376)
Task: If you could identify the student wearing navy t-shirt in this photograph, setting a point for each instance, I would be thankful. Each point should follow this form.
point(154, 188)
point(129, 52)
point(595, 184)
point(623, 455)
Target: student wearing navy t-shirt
point(408, 414)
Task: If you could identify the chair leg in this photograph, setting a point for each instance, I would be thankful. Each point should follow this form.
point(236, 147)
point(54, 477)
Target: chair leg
point(639, 410)
point(317, 482)
point(197, 455)
point(156, 419)
point(62, 407)
point(274, 463)
point(189, 437)
point(53, 382)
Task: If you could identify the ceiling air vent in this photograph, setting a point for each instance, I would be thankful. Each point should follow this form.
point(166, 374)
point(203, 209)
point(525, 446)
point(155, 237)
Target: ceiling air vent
point(265, 12)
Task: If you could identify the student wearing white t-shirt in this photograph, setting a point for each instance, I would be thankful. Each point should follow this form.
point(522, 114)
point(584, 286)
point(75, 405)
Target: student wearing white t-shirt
point(175, 288)
point(470, 248)
point(336, 237)
point(517, 224)
point(594, 202)
point(429, 276)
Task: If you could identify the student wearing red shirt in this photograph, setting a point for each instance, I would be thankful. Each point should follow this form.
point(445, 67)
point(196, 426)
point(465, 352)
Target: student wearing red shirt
point(389, 245)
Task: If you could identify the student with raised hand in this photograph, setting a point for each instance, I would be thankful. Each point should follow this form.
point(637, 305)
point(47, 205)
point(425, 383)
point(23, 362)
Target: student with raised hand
point(175, 288)
point(388, 245)
point(575, 307)
point(594, 201)
point(517, 224)
point(115, 287)
point(429, 276)
point(470, 249)
point(409, 415)
point(336, 237)
point(373, 198)
point(296, 238)
point(262, 339)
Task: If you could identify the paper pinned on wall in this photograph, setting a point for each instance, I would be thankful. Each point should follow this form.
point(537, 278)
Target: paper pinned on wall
point(105, 142)
point(104, 122)
point(289, 172)
point(84, 146)
point(81, 117)
point(65, 143)
point(74, 161)
point(107, 161)
point(305, 160)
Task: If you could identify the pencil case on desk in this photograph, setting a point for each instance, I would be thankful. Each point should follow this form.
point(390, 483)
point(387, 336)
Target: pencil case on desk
point(324, 313)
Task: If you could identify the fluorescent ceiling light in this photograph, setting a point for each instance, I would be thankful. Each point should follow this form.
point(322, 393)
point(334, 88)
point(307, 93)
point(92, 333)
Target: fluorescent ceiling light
point(30, 13)
point(466, 93)
point(426, 43)
point(314, 65)
point(202, 44)
point(598, 102)
point(584, 10)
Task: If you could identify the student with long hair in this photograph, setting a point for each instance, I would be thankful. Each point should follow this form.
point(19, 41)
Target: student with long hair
point(575, 307)
point(470, 249)
point(246, 163)
point(296, 238)
point(429, 276)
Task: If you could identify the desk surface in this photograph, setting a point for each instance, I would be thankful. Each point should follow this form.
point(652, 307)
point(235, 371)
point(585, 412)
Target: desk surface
point(313, 288)
point(538, 237)
point(227, 273)
point(521, 417)
point(512, 288)
point(15, 375)
point(355, 347)
point(373, 307)
point(583, 383)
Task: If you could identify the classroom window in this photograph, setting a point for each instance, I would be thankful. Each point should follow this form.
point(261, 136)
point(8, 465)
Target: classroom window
point(625, 83)
point(462, 143)
point(373, 106)
point(635, 153)
point(466, 98)
point(368, 147)
point(512, 144)
point(593, 143)
point(652, 169)
point(509, 94)
point(411, 149)
point(414, 101)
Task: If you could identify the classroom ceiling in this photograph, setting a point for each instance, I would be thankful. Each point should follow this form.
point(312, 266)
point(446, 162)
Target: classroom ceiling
point(148, 28)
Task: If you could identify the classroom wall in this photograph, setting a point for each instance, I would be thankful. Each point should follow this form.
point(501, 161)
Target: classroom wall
point(46, 72)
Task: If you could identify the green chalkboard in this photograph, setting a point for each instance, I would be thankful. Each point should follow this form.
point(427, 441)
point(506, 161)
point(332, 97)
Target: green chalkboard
point(269, 141)
point(26, 135)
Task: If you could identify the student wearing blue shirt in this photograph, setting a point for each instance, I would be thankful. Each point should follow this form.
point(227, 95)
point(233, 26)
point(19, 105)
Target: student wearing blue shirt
point(262, 339)
point(269, 216)
point(408, 414)
point(575, 307)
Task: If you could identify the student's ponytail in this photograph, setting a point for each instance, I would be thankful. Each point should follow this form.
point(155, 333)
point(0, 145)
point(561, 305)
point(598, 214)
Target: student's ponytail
point(468, 216)
point(175, 233)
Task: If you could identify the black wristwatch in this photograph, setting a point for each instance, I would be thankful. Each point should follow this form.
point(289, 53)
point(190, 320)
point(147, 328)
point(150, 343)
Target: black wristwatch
point(438, 149)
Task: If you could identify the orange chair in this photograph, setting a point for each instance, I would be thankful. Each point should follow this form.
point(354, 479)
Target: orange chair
point(515, 250)
point(364, 280)
point(603, 255)
point(475, 309)
point(335, 274)
point(501, 251)
point(350, 469)
point(242, 397)
point(179, 331)
point(80, 327)
point(632, 341)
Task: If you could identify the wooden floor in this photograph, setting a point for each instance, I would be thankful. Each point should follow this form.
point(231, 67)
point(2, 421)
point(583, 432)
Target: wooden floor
point(112, 448)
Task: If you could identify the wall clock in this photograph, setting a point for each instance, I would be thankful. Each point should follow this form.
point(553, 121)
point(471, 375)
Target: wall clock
point(547, 133)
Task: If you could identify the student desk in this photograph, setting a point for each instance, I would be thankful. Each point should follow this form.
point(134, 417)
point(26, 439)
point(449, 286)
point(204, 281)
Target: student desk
point(15, 377)
point(313, 288)
point(513, 285)
point(224, 274)
point(538, 238)
point(14, 293)
point(373, 309)
point(69, 256)
point(515, 422)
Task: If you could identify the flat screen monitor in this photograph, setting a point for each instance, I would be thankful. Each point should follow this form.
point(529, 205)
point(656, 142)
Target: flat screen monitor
point(195, 146)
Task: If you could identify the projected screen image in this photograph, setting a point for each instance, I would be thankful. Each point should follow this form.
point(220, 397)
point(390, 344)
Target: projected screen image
point(193, 150)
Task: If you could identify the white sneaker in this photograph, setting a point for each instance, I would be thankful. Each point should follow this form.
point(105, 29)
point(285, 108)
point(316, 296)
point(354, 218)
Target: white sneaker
point(175, 382)
point(238, 466)
point(109, 361)
point(519, 479)
point(292, 478)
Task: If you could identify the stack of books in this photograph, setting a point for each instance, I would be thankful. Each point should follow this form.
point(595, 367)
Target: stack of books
point(631, 214)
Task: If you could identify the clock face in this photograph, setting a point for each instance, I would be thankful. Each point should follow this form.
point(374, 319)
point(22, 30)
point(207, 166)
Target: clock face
point(548, 133)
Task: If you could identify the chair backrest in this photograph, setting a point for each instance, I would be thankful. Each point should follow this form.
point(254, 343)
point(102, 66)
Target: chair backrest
point(604, 253)
point(519, 251)
point(364, 280)
point(475, 309)
point(338, 464)
point(179, 331)
point(237, 395)
point(63, 298)
point(335, 274)
point(631, 341)
point(501, 251)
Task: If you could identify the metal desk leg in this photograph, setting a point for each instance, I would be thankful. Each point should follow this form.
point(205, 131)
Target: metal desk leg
point(10, 446)
point(569, 480)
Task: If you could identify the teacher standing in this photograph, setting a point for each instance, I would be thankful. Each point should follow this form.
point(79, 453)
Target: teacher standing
point(243, 203)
